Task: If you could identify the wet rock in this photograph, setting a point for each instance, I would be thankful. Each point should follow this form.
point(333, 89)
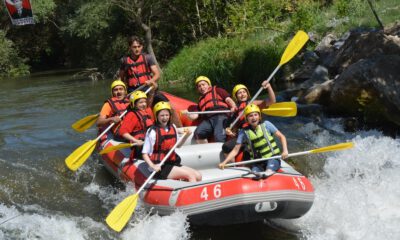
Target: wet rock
point(351, 124)
point(319, 93)
point(361, 45)
point(356, 75)
point(310, 110)
point(371, 88)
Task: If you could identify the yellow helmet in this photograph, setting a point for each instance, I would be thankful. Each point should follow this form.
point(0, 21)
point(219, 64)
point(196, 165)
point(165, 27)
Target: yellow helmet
point(250, 109)
point(202, 78)
point(161, 106)
point(115, 83)
point(237, 88)
point(137, 95)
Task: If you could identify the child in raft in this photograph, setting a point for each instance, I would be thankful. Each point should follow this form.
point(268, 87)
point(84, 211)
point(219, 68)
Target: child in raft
point(159, 140)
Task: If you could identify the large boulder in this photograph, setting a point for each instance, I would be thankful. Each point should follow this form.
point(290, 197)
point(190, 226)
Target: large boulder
point(356, 75)
point(364, 45)
point(369, 88)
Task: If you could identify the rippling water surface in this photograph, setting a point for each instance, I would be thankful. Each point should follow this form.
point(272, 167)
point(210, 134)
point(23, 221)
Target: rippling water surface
point(357, 195)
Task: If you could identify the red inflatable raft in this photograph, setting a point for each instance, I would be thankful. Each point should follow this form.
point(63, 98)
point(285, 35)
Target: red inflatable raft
point(230, 196)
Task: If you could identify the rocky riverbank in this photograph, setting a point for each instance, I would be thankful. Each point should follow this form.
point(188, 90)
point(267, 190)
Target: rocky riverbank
point(356, 75)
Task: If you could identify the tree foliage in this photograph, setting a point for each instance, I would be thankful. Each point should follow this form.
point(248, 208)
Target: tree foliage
point(93, 33)
point(91, 19)
point(10, 63)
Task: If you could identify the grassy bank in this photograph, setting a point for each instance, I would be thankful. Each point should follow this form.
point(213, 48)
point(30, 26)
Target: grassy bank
point(226, 61)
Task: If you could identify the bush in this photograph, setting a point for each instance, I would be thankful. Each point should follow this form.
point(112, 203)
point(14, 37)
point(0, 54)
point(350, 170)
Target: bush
point(305, 17)
point(225, 61)
point(11, 65)
point(346, 8)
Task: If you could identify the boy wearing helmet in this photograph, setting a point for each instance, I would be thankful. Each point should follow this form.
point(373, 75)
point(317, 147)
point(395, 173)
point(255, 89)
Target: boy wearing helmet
point(138, 119)
point(114, 106)
point(260, 141)
point(241, 95)
point(211, 98)
point(160, 138)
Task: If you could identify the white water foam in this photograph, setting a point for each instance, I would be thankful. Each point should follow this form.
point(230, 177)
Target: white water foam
point(357, 195)
point(30, 224)
point(172, 227)
point(142, 225)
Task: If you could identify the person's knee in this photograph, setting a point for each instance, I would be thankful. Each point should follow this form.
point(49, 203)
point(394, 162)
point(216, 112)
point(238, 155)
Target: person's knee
point(273, 164)
point(256, 168)
point(219, 134)
point(220, 137)
point(226, 148)
point(199, 134)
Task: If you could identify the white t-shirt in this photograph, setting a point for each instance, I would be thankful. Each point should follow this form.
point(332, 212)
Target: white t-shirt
point(150, 140)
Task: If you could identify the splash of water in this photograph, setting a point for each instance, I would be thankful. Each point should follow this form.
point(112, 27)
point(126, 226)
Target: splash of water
point(172, 227)
point(33, 223)
point(143, 225)
point(357, 196)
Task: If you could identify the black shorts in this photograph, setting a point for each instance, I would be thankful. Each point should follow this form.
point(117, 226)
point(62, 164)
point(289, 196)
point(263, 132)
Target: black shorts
point(166, 168)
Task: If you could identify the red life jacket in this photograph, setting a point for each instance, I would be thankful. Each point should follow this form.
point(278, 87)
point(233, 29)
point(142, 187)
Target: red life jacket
point(242, 121)
point(117, 107)
point(138, 71)
point(144, 117)
point(164, 142)
point(211, 100)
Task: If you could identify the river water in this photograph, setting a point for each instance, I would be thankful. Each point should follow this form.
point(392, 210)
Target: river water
point(357, 192)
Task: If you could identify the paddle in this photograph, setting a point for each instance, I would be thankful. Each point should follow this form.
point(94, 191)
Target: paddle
point(81, 154)
point(281, 109)
point(85, 123)
point(336, 147)
point(117, 147)
point(292, 49)
point(88, 121)
point(210, 112)
point(121, 214)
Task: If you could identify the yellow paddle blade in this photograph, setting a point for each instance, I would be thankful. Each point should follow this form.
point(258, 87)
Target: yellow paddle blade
point(121, 214)
point(281, 109)
point(336, 147)
point(85, 123)
point(116, 147)
point(294, 46)
point(80, 155)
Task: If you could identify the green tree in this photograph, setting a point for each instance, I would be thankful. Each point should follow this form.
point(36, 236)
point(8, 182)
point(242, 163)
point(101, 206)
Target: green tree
point(10, 63)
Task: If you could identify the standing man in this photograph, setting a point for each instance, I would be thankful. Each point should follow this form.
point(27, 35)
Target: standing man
point(138, 68)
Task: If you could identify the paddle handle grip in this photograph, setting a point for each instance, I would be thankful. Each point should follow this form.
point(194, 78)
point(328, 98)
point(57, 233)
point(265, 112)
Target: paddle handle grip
point(148, 90)
point(137, 89)
point(161, 163)
point(265, 159)
point(255, 96)
point(111, 125)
